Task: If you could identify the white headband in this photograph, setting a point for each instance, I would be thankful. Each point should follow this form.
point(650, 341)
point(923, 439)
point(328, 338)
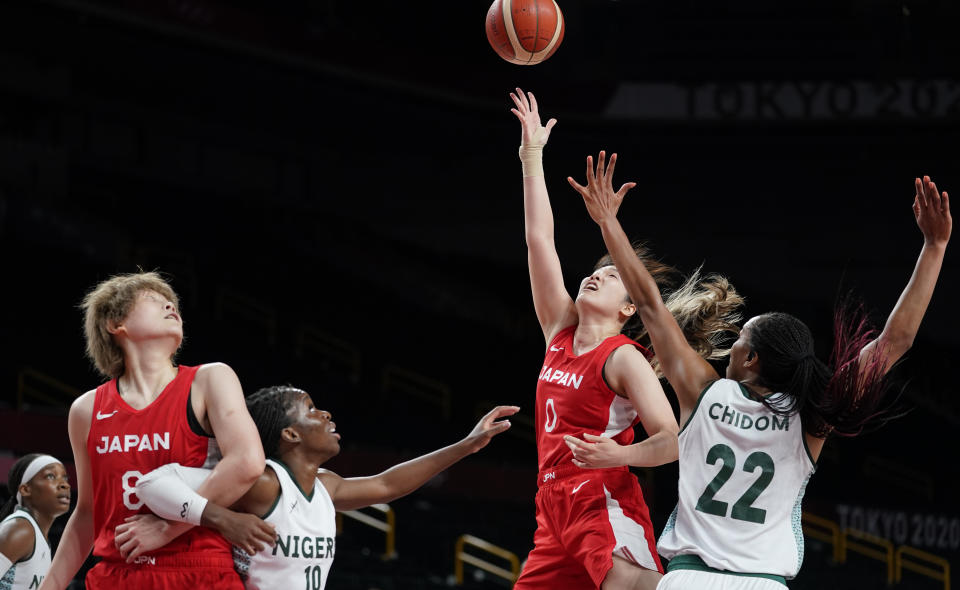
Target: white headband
point(34, 468)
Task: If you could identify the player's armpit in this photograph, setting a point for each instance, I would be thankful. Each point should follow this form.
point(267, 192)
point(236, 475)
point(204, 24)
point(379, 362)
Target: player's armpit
point(261, 496)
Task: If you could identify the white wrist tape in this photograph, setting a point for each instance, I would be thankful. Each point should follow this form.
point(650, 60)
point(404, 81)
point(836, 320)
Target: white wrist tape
point(169, 491)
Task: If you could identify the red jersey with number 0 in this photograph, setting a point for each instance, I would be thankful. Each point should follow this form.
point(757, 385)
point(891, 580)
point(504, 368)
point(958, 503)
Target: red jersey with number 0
point(573, 398)
point(125, 443)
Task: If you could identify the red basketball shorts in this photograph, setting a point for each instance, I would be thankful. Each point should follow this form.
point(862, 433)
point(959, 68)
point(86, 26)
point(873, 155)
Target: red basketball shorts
point(182, 571)
point(584, 518)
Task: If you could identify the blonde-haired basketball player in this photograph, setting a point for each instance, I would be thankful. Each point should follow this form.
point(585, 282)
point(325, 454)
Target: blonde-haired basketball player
point(593, 527)
point(750, 442)
point(149, 413)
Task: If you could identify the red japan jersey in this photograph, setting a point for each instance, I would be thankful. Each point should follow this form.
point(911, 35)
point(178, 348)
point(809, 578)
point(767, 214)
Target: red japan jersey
point(573, 398)
point(125, 443)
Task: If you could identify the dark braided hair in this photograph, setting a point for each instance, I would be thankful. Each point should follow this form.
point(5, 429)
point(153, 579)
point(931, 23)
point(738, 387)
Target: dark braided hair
point(707, 308)
point(840, 398)
point(270, 409)
point(13, 483)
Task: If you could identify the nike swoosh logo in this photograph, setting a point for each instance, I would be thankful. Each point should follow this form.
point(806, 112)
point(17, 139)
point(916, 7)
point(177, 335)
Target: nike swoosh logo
point(577, 489)
point(103, 416)
point(555, 349)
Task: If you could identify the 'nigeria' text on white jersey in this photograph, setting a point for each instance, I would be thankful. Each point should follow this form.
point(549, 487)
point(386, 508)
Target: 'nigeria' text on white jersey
point(306, 530)
point(743, 472)
point(29, 572)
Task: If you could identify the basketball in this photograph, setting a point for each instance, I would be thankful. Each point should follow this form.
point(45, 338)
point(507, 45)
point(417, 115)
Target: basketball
point(524, 32)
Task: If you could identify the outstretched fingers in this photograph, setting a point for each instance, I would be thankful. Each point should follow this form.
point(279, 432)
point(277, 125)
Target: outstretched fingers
point(625, 189)
point(576, 186)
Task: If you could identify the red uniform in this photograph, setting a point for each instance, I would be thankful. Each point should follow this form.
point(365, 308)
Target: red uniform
point(125, 443)
point(584, 516)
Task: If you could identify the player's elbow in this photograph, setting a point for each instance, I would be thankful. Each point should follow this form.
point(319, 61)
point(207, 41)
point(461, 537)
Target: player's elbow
point(538, 238)
point(248, 466)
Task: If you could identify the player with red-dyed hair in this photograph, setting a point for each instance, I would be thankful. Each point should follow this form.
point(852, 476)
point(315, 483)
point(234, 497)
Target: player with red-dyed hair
point(749, 443)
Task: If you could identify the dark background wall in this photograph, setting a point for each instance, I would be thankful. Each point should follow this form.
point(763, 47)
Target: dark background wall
point(334, 191)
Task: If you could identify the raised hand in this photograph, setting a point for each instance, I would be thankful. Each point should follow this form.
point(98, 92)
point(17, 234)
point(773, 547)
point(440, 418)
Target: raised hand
point(488, 427)
point(532, 132)
point(932, 212)
point(601, 201)
point(596, 452)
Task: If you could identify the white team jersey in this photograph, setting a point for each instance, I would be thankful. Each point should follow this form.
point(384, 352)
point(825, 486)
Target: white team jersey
point(306, 529)
point(743, 472)
point(29, 572)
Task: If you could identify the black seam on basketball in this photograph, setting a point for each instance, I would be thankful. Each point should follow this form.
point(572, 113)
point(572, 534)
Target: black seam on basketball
point(536, 32)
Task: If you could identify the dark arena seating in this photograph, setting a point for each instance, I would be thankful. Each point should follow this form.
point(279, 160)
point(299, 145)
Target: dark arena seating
point(335, 195)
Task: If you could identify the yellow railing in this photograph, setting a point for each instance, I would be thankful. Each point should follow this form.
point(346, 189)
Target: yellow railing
point(900, 564)
point(341, 355)
point(399, 380)
point(388, 526)
point(871, 546)
point(825, 530)
point(37, 385)
point(461, 557)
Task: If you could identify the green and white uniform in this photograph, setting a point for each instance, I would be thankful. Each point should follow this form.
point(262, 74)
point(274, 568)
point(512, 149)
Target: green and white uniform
point(306, 526)
point(29, 571)
point(743, 472)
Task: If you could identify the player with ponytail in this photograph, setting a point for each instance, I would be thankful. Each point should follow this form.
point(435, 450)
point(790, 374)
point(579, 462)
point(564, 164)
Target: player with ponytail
point(765, 424)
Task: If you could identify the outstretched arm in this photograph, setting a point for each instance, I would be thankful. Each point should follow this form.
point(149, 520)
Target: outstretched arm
point(932, 212)
point(78, 536)
point(686, 370)
point(400, 480)
point(554, 307)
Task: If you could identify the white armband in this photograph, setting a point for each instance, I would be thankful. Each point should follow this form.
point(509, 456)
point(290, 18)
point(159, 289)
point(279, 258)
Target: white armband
point(170, 492)
point(5, 565)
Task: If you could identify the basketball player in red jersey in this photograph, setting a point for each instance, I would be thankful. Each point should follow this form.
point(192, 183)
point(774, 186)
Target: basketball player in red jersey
point(593, 527)
point(151, 412)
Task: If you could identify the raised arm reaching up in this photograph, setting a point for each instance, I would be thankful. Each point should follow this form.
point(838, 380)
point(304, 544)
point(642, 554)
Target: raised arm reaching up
point(554, 306)
point(931, 209)
point(683, 367)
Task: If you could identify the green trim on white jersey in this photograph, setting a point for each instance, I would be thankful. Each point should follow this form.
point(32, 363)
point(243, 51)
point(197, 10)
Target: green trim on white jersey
point(692, 562)
point(743, 472)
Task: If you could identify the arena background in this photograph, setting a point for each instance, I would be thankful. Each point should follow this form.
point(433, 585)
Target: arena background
point(333, 188)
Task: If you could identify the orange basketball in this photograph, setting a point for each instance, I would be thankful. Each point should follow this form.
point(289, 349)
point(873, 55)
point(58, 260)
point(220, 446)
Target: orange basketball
point(524, 32)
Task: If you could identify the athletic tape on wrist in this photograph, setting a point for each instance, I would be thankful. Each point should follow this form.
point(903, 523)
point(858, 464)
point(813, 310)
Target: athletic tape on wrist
point(531, 159)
